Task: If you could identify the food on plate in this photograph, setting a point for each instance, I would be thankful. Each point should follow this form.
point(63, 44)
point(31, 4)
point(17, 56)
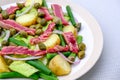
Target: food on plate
point(38, 41)
point(59, 66)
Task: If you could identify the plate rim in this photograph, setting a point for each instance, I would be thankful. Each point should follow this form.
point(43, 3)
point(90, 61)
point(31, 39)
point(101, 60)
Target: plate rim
point(98, 37)
point(97, 34)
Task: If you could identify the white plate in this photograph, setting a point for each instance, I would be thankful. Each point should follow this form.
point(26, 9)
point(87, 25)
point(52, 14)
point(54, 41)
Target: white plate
point(92, 37)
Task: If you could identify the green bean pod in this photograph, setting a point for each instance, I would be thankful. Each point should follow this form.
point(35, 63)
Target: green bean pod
point(40, 66)
point(47, 77)
point(17, 42)
point(5, 75)
point(60, 36)
point(44, 3)
point(70, 14)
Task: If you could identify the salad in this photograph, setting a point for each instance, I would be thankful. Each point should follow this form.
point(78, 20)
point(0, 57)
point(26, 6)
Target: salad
point(39, 42)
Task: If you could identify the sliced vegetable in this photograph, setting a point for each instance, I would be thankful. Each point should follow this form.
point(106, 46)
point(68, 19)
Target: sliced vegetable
point(23, 68)
point(70, 14)
point(5, 75)
point(61, 37)
point(40, 66)
point(59, 66)
point(47, 77)
point(23, 59)
point(3, 65)
point(27, 19)
point(49, 56)
point(18, 42)
point(52, 41)
point(70, 28)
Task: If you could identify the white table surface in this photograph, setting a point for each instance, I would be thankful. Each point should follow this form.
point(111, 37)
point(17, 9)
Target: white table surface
point(107, 13)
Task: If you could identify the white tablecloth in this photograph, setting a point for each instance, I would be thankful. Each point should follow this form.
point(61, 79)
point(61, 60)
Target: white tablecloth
point(107, 13)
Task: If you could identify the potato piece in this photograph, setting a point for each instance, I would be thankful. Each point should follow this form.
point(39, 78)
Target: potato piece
point(59, 66)
point(70, 28)
point(52, 41)
point(3, 65)
point(27, 19)
point(29, 2)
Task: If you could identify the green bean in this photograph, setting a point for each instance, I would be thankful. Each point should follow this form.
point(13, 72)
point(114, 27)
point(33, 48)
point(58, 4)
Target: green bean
point(70, 14)
point(49, 56)
point(61, 37)
point(44, 3)
point(79, 39)
point(72, 56)
point(67, 53)
point(34, 76)
point(5, 75)
point(40, 66)
point(47, 77)
point(17, 42)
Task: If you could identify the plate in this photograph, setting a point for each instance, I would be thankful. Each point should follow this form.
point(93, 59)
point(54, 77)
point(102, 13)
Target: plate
point(92, 37)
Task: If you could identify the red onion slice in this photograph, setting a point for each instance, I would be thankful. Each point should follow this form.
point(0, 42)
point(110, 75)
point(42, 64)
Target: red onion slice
point(27, 58)
point(68, 59)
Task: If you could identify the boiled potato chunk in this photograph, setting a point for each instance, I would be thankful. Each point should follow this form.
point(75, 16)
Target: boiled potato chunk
point(59, 66)
point(52, 41)
point(29, 2)
point(70, 28)
point(26, 19)
point(3, 65)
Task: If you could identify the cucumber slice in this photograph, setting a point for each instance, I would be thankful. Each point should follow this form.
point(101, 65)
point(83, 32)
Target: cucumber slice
point(23, 68)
